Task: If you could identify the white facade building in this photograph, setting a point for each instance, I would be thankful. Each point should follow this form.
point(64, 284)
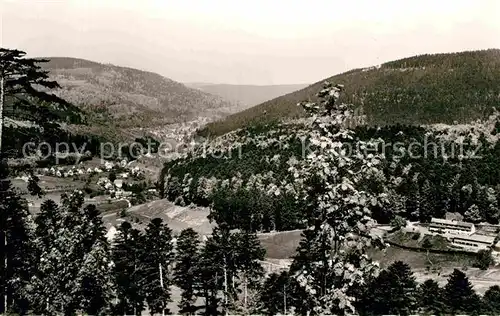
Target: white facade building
point(446, 226)
point(473, 242)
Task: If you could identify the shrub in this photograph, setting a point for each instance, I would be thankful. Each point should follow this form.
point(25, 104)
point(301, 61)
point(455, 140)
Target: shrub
point(483, 260)
point(88, 190)
point(427, 244)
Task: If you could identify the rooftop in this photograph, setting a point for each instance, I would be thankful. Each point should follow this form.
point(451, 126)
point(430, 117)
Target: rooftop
point(476, 237)
point(451, 222)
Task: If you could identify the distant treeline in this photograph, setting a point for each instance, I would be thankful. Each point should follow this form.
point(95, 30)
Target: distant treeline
point(437, 88)
point(19, 142)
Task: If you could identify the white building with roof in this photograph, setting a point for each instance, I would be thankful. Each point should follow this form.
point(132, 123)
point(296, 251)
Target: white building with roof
point(473, 242)
point(453, 227)
point(118, 183)
point(111, 234)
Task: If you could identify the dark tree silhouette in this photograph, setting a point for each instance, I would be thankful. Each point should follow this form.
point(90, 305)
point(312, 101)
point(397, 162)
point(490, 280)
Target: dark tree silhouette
point(273, 298)
point(128, 270)
point(186, 263)
point(459, 295)
point(157, 262)
point(23, 92)
point(491, 300)
point(430, 298)
point(484, 259)
point(17, 255)
point(72, 268)
point(394, 291)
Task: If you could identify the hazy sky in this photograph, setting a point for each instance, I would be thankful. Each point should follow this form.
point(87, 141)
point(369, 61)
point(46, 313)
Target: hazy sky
point(247, 42)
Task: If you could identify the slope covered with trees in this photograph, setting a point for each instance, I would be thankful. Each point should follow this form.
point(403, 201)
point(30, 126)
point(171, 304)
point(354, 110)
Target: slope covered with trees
point(438, 88)
point(317, 174)
point(248, 176)
point(32, 114)
point(131, 97)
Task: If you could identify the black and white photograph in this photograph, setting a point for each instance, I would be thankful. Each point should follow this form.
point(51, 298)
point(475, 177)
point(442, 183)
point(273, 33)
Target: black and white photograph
point(231, 157)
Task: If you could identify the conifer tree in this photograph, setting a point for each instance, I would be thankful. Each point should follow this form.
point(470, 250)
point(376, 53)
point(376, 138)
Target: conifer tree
point(394, 291)
point(224, 262)
point(492, 212)
point(307, 252)
point(95, 280)
point(459, 295)
point(94, 276)
point(127, 255)
point(54, 279)
point(211, 277)
point(23, 96)
point(184, 274)
point(73, 260)
point(413, 203)
point(249, 253)
point(47, 222)
point(491, 300)
point(156, 265)
point(430, 298)
point(427, 202)
point(17, 255)
point(229, 266)
point(273, 298)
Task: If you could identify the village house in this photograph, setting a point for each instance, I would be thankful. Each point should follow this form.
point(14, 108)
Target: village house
point(108, 165)
point(102, 181)
point(111, 233)
point(118, 183)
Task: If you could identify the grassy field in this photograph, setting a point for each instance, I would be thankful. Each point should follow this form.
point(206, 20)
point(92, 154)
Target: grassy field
point(412, 239)
point(177, 217)
point(112, 205)
point(419, 259)
point(283, 245)
point(280, 245)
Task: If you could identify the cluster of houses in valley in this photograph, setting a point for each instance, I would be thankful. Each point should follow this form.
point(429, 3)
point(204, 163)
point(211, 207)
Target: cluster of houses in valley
point(65, 172)
point(465, 235)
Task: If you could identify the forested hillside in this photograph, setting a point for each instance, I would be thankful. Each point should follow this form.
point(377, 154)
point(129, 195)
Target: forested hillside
point(248, 175)
point(318, 174)
point(130, 97)
point(334, 183)
point(425, 89)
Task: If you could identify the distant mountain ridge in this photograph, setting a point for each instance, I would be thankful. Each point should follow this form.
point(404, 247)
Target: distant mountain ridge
point(131, 97)
point(247, 95)
point(425, 89)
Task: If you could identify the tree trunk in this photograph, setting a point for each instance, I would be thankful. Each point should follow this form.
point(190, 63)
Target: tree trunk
point(284, 299)
point(5, 262)
point(225, 287)
point(2, 98)
point(161, 284)
point(245, 293)
point(135, 304)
